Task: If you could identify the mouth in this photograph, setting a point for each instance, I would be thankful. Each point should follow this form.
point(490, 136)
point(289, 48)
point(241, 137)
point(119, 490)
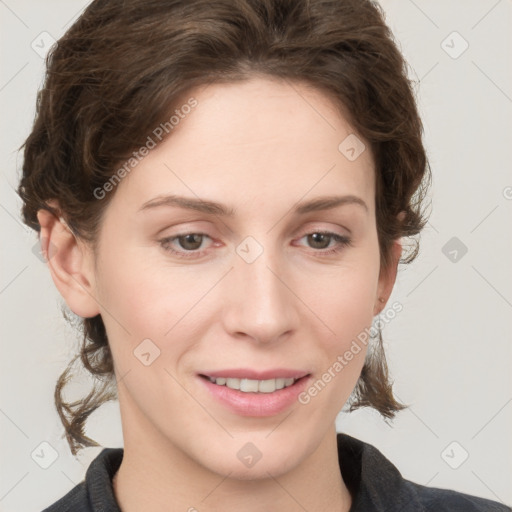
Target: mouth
point(246, 395)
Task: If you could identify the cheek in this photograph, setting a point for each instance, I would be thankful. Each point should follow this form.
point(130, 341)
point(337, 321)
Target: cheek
point(143, 301)
point(348, 312)
point(344, 297)
point(346, 309)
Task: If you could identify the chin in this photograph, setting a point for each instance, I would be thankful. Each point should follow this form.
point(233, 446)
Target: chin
point(261, 470)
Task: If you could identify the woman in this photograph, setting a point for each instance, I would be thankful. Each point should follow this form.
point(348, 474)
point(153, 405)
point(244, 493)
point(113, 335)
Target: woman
point(221, 189)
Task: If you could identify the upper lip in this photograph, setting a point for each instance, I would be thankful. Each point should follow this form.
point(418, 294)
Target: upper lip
point(247, 373)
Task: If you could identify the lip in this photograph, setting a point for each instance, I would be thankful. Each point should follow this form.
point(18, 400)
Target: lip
point(256, 404)
point(247, 373)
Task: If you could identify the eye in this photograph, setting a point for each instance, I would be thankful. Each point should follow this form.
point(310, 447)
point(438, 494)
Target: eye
point(322, 239)
point(189, 242)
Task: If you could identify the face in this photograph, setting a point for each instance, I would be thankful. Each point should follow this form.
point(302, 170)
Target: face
point(248, 288)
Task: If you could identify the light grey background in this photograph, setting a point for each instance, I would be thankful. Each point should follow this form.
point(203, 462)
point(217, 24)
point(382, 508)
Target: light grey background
point(449, 350)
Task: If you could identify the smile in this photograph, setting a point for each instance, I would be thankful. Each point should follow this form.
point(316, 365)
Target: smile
point(253, 386)
point(257, 397)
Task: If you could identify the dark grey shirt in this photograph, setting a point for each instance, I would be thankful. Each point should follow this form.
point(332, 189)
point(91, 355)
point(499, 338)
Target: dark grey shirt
point(375, 484)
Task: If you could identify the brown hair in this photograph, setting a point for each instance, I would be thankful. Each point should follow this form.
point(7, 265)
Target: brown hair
point(120, 69)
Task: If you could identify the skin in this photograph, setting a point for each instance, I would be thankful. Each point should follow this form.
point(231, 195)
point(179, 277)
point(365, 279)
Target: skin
point(259, 147)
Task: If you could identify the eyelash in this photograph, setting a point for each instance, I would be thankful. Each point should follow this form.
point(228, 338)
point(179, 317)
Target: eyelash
point(342, 242)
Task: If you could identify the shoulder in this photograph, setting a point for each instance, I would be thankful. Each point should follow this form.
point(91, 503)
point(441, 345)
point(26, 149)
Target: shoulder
point(377, 485)
point(445, 500)
point(75, 500)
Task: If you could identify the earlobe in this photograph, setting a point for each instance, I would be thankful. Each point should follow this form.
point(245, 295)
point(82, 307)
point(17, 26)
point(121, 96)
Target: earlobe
point(69, 262)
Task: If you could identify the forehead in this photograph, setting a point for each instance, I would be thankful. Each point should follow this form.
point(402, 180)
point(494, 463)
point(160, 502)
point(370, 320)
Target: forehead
point(257, 137)
point(263, 111)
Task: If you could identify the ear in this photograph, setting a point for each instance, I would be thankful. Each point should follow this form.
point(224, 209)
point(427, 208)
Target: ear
point(387, 276)
point(70, 262)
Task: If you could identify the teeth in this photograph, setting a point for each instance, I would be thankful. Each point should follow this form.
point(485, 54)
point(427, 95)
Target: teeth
point(279, 383)
point(253, 386)
point(233, 383)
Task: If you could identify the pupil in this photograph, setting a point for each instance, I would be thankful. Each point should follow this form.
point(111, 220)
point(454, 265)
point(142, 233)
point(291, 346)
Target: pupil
point(317, 238)
point(192, 239)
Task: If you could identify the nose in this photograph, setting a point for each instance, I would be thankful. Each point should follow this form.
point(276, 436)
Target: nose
point(259, 301)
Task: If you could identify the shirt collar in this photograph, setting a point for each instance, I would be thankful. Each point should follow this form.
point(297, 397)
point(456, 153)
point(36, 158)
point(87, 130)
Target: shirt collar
point(374, 482)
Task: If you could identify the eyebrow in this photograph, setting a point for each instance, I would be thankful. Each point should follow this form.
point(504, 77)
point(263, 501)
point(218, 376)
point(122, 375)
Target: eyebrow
point(213, 208)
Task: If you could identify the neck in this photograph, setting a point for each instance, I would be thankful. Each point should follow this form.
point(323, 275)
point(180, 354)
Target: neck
point(157, 476)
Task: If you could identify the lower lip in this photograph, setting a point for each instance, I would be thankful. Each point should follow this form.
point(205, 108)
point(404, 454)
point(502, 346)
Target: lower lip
point(256, 404)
